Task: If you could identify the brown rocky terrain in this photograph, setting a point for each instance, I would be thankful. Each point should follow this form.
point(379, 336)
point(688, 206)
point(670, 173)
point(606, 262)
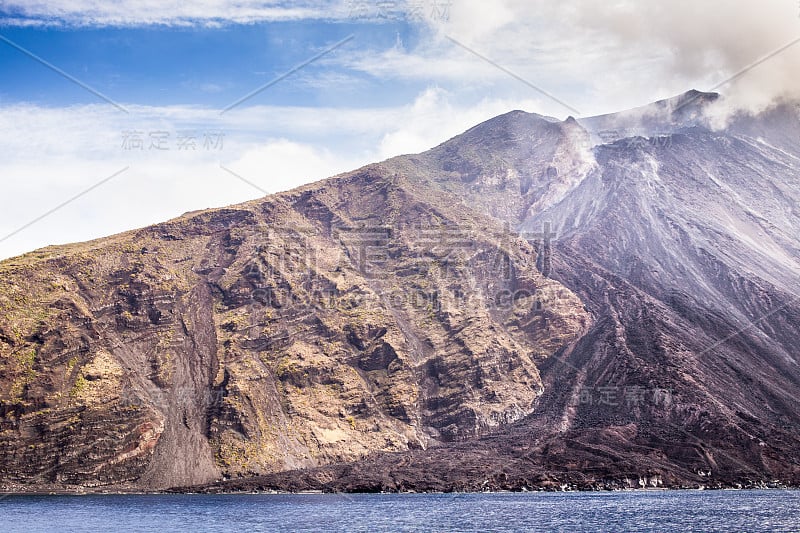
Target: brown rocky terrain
point(309, 328)
point(610, 302)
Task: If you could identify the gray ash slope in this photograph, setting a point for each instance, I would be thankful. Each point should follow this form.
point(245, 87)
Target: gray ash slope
point(683, 242)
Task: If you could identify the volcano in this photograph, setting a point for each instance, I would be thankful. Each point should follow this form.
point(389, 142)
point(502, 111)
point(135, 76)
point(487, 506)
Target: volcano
point(604, 302)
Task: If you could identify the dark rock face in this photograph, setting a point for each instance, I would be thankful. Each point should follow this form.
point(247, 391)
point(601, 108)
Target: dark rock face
point(609, 302)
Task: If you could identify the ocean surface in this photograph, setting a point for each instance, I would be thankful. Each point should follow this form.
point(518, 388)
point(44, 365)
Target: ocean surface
point(728, 511)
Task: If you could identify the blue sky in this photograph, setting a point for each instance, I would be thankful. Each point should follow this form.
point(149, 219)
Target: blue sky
point(210, 66)
point(412, 74)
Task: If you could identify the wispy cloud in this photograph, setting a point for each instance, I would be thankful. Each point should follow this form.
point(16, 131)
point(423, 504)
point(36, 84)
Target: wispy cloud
point(167, 12)
point(215, 12)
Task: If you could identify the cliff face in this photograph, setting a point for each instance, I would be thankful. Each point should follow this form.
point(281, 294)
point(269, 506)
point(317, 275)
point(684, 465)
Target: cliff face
point(604, 302)
point(309, 328)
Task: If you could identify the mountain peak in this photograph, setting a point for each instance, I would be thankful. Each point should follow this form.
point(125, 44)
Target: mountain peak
point(516, 119)
point(690, 100)
point(504, 133)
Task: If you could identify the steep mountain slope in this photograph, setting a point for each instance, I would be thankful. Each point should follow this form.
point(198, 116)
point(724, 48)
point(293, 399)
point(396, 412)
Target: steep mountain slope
point(313, 327)
point(682, 242)
point(611, 301)
point(685, 248)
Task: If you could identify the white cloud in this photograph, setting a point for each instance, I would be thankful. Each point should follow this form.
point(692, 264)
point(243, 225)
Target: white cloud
point(602, 56)
point(708, 42)
point(281, 164)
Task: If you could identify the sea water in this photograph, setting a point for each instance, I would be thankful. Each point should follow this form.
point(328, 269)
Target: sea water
point(680, 511)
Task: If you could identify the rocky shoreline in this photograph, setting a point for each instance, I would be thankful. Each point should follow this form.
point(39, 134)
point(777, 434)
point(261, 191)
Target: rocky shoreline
point(221, 489)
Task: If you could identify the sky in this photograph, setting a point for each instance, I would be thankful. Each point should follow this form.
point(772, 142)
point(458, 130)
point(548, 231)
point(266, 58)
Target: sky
point(118, 115)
